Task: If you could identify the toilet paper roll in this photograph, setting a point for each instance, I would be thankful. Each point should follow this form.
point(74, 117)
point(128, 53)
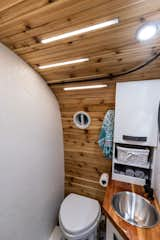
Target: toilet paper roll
point(104, 178)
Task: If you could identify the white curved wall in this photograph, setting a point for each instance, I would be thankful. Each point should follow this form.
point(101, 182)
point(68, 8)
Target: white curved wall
point(31, 152)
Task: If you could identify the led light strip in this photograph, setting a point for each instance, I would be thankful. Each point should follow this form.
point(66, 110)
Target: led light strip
point(85, 87)
point(81, 31)
point(64, 63)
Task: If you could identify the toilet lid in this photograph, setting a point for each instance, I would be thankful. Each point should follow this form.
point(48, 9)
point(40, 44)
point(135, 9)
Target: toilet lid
point(77, 213)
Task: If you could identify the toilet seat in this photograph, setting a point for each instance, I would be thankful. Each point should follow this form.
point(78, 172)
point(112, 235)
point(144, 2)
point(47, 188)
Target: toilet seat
point(78, 215)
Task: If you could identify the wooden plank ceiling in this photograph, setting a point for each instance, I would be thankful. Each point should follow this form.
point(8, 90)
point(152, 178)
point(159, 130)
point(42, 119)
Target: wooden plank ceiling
point(110, 50)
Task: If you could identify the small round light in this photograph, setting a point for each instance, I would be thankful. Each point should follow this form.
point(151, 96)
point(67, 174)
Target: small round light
point(147, 31)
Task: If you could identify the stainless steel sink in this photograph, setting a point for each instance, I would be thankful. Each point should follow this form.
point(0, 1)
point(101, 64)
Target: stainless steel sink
point(135, 209)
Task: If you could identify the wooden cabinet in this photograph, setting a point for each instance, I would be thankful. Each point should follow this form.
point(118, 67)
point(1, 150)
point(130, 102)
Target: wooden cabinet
point(136, 113)
point(111, 232)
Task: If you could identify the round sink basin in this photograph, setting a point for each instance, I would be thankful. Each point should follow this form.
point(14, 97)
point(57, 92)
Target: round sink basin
point(135, 209)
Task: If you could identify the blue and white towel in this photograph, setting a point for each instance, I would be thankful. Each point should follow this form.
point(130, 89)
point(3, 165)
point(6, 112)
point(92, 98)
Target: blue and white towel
point(106, 135)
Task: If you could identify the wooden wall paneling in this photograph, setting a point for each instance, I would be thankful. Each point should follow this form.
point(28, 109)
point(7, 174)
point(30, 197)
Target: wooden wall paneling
point(84, 160)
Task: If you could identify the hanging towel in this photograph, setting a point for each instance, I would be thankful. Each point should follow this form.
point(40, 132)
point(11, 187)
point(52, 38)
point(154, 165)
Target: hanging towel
point(106, 135)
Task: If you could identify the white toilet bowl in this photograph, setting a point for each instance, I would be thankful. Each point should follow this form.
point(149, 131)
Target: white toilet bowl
point(79, 217)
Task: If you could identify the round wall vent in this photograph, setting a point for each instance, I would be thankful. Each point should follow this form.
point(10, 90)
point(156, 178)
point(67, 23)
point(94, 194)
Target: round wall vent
point(81, 119)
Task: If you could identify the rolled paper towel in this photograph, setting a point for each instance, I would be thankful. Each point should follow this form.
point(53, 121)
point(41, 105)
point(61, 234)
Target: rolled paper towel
point(104, 178)
point(130, 172)
point(139, 174)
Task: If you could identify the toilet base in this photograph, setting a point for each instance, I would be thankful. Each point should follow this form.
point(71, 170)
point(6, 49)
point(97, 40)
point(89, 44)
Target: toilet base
point(91, 236)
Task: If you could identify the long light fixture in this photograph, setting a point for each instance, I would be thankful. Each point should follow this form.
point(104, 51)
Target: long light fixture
point(81, 31)
point(85, 87)
point(64, 63)
point(147, 31)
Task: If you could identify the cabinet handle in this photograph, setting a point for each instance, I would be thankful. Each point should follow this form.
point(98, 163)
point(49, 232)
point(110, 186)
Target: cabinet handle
point(133, 138)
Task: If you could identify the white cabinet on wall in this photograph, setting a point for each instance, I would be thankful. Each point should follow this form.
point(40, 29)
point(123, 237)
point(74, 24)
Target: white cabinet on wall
point(136, 112)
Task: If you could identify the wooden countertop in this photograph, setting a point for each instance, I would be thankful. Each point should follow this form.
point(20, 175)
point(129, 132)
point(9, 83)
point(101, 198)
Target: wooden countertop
point(128, 231)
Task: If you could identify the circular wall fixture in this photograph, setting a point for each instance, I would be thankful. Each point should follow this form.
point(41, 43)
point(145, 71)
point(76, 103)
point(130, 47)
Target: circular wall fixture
point(82, 120)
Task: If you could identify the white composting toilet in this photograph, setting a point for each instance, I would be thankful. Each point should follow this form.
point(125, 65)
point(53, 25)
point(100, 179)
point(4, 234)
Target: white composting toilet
point(79, 217)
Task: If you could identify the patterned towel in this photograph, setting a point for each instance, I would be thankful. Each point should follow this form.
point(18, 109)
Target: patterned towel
point(106, 135)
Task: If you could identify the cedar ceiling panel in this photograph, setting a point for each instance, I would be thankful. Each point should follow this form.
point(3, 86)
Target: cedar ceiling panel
point(75, 20)
point(8, 3)
point(20, 9)
point(111, 50)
